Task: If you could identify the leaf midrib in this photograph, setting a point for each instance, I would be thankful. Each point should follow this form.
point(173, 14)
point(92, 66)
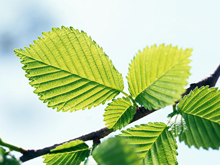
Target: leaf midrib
point(152, 143)
point(18, 52)
point(62, 151)
point(148, 86)
point(200, 117)
point(120, 117)
point(157, 137)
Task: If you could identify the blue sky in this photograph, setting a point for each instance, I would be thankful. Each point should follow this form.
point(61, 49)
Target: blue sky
point(121, 28)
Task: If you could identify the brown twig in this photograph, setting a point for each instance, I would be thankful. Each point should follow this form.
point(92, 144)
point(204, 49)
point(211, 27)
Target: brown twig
point(99, 134)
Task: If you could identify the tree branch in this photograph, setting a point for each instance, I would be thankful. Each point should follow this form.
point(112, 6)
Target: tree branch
point(140, 113)
point(211, 81)
point(12, 147)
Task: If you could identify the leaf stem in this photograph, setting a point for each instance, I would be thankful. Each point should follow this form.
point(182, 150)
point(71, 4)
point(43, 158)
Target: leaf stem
point(12, 147)
point(174, 108)
point(129, 96)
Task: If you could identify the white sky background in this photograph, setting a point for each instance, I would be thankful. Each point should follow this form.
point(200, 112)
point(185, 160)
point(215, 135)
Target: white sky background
point(121, 28)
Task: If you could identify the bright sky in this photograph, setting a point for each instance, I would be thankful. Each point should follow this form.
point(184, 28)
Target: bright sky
point(121, 28)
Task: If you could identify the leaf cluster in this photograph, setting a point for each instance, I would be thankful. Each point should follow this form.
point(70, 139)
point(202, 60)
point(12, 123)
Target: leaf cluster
point(71, 72)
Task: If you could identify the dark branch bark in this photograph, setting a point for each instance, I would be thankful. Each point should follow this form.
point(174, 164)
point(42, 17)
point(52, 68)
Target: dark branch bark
point(99, 134)
point(211, 81)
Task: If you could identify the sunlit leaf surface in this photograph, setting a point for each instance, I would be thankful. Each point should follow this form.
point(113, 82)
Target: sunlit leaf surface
point(119, 113)
point(201, 112)
point(69, 153)
point(153, 143)
point(158, 74)
point(69, 70)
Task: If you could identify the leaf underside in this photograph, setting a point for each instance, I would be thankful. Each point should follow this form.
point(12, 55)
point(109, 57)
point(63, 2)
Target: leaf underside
point(201, 112)
point(115, 151)
point(119, 113)
point(157, 75)
point(69, 70)
point(69, 153)
point(153, 142)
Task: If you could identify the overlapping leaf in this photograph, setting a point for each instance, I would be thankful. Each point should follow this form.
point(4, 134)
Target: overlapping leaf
point(157, 75)
point(153, 142)
point(119, 113)
point(115, 151)
point(70, 71)
point(201, 112)
point(69, 153)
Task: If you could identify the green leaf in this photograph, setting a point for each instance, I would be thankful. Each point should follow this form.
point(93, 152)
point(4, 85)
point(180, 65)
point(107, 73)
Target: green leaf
point(6, 158)
point(70, 71)
point(115, 151)
point(157, 75)
point(69, 153)
point(153, 142)
point(119, 113)
point(201, 112)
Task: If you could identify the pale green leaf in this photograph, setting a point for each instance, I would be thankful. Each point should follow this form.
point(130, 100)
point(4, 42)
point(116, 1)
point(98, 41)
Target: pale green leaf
point(70, 71)
point(176, 123)
point(119, 113)
point(201, 112)
point(69, 153)
point(153, 143)
point(115, 151)
point(157, 75)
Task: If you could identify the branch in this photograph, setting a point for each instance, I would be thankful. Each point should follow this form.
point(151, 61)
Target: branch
point(99, 134)
point(211, 81)
point(12, 147)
